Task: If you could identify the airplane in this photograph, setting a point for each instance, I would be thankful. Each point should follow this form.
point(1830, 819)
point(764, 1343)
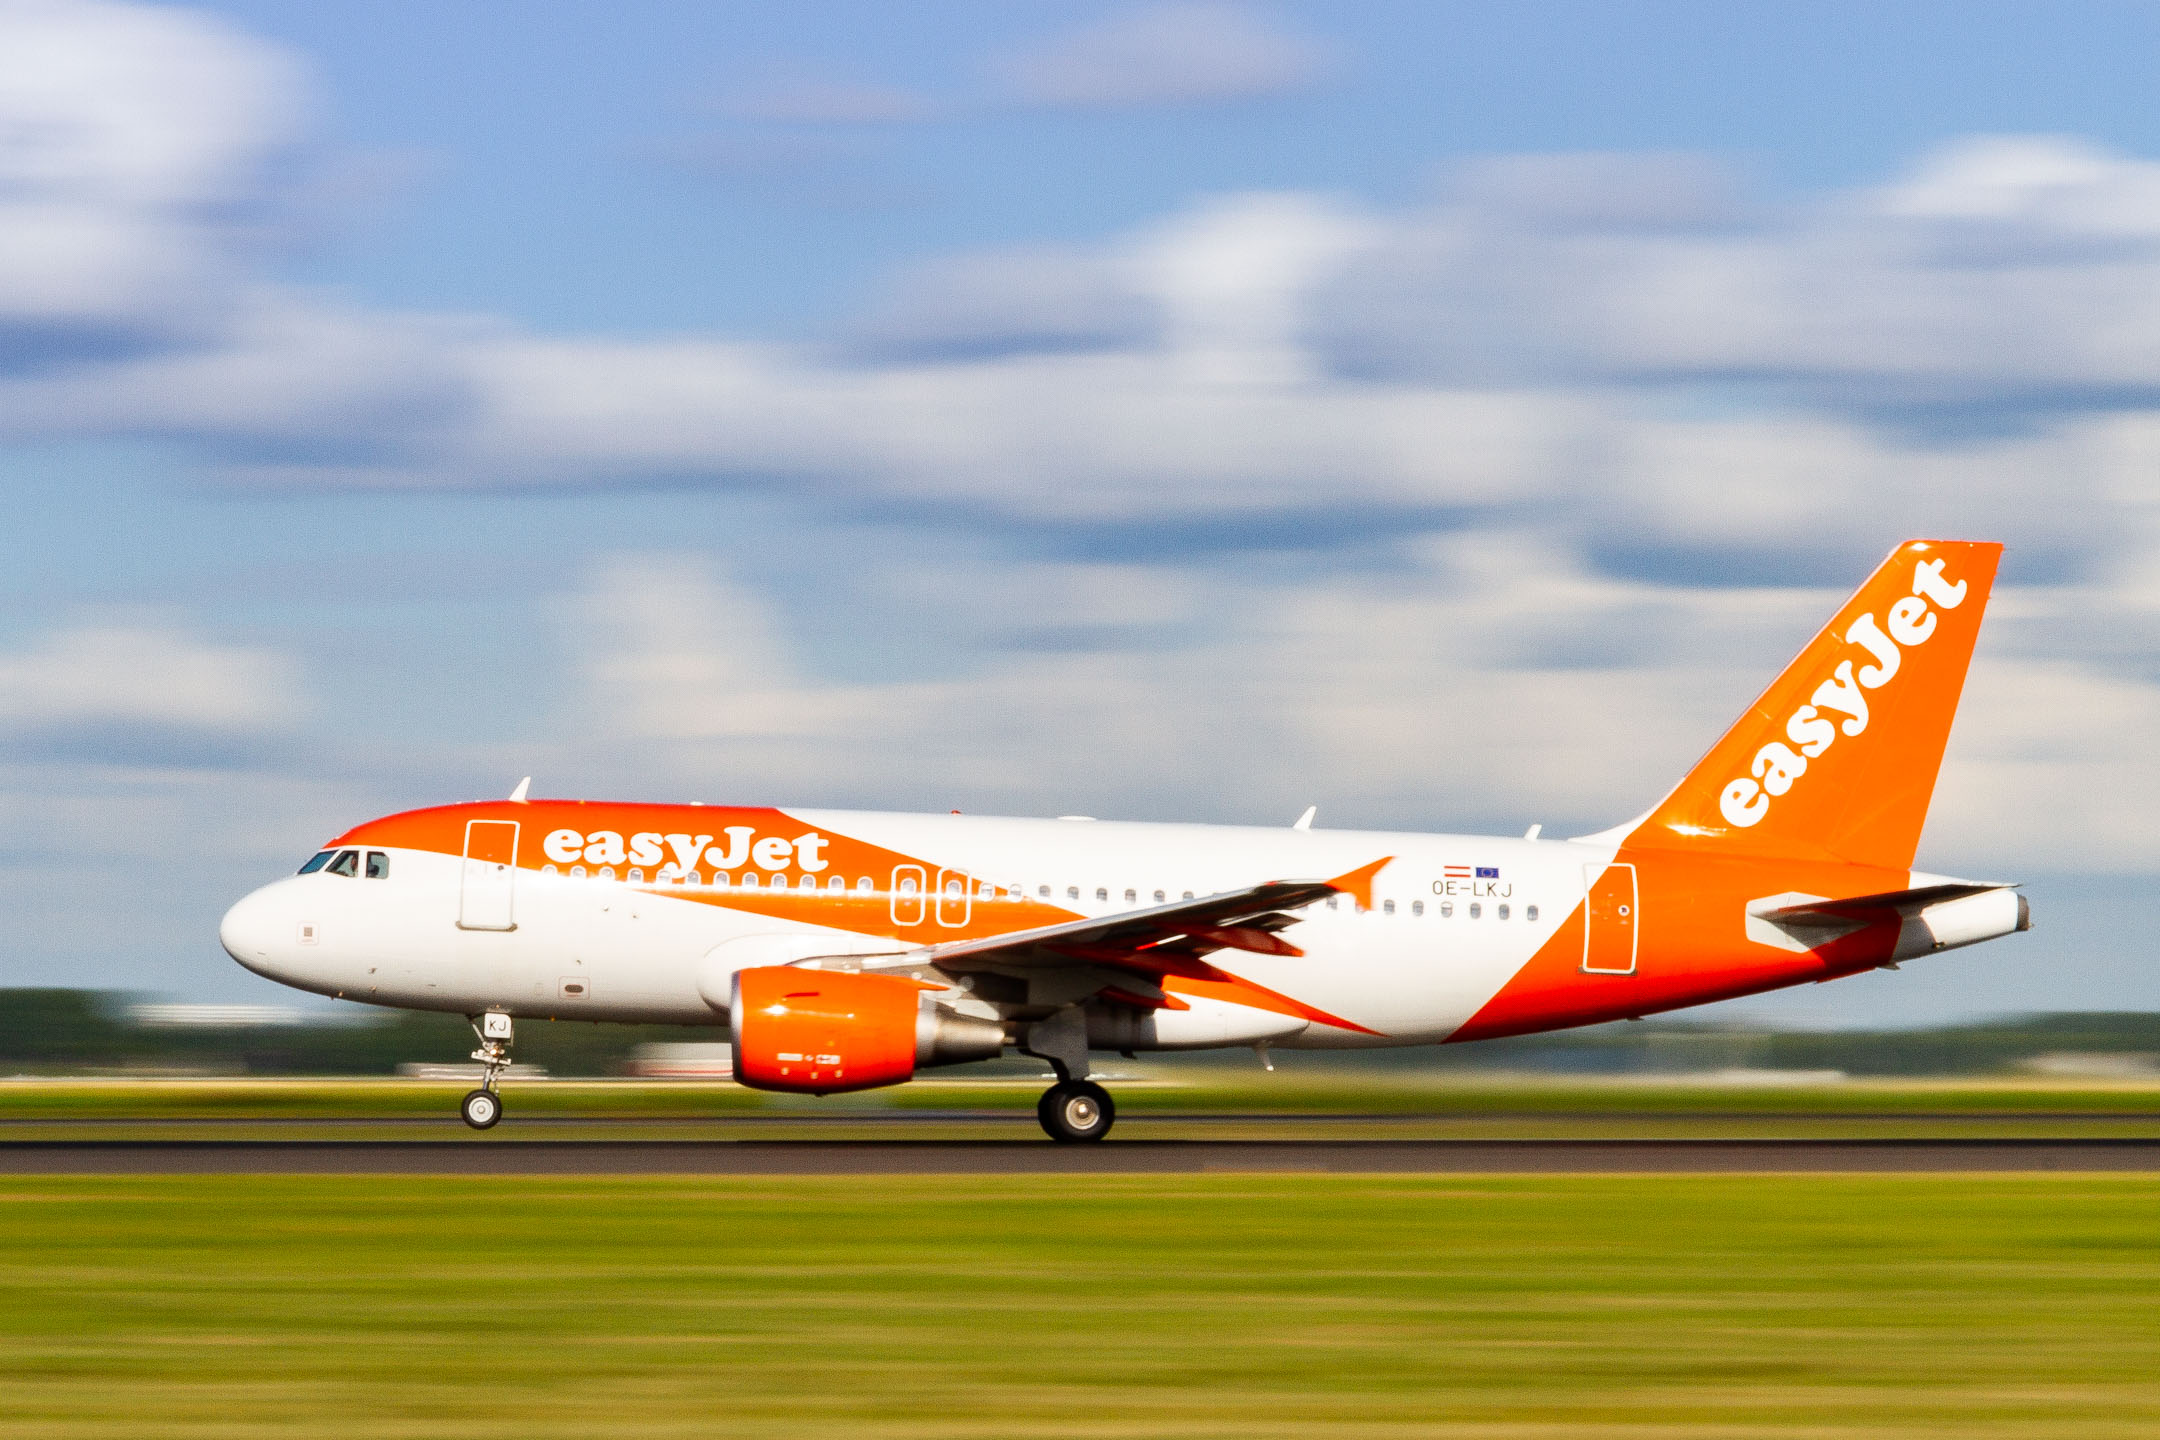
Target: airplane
point(849, 950)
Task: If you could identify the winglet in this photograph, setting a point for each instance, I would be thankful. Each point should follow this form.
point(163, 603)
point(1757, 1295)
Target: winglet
point(1358, 883)
point(1304, 821)
point(523, 785)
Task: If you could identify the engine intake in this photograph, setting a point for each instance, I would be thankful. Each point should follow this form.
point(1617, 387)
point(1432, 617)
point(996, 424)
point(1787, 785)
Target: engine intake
point(822, 1031)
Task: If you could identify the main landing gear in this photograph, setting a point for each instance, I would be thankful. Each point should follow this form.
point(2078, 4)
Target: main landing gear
point(483, 1107)
point(1076, 1108)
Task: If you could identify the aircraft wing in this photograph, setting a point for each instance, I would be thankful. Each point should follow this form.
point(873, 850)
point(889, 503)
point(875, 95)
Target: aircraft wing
point(1163, 939)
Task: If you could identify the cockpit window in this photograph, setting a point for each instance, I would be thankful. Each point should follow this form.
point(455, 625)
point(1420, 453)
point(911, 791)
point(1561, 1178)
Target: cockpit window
point(346, 863)
point(322, 858)
point(378, 865)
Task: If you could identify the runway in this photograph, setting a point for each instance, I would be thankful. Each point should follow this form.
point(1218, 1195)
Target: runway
point(484, 1155)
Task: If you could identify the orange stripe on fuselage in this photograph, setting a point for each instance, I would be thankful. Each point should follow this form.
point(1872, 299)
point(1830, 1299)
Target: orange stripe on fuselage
point(737, 829)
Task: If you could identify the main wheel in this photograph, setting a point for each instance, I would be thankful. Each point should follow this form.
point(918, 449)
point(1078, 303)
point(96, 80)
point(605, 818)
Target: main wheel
point(481, 1109)
point(1075, 1110)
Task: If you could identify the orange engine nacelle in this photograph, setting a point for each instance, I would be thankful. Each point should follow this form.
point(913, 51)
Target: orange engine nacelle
point(826, 1030)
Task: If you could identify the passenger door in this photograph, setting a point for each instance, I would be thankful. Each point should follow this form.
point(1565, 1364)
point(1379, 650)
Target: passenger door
point(1609, 919)
point(486, 890)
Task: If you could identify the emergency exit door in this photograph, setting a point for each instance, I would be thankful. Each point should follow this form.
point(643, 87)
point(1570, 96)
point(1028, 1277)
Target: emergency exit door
point(486, 889)
point(1609, 919)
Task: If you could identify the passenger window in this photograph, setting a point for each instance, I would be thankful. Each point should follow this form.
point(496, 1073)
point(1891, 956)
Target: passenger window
point(1131, 897)
point(347, 864)
point(1331, 902)
point(1503, 912)
point(1102, 892)
point(637, 876)
point(607, 872)
point(1072, 892)
point(836, 884)
point(378, 865)
point(1387, 907)
point(1447, 909)
point(1530, 913)
point(1476, 909)
point(1158, 897)
point(749, 880)
point(549, 870)
point(1188, 894)
point(321, 858)
point(863, 885)
point(577, 872)
point(1417, 908)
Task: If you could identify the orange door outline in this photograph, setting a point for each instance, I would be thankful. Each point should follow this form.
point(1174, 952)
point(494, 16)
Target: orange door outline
point(908, 905)
point(954, 906)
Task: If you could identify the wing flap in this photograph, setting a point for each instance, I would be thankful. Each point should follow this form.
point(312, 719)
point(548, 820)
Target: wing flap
point(1237, 920)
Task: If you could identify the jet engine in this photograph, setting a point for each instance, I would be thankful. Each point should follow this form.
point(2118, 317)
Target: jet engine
point(822, 1031)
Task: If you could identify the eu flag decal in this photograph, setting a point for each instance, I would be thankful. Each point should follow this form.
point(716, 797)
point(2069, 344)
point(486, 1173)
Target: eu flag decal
point(1488, 872)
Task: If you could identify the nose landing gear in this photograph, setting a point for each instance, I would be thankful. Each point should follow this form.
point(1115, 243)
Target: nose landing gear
point(483, 1107)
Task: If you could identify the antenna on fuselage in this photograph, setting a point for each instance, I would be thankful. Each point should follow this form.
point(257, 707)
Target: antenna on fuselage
point(523, 785)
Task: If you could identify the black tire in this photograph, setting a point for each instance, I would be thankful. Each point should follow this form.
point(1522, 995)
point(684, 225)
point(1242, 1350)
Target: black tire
point(1076, 1111)
point(481, 1109)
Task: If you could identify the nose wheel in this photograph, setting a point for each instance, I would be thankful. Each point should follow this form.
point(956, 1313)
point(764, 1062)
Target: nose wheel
point(481, 1108)
point(1073, 1111)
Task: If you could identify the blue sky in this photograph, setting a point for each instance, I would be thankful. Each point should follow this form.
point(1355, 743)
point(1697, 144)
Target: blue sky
point(1449, 415)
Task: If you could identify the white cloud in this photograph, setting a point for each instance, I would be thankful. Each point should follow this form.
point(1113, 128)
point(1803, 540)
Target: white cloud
point(1621, 337)
point(1174, 54)
point(1691, 380)
point(147, 672)
point(133, 146)
point(1996, 273)
point(1623, 340)
point(2047, 182)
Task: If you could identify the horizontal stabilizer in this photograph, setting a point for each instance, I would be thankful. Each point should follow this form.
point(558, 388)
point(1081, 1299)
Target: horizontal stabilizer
point(1870, 909)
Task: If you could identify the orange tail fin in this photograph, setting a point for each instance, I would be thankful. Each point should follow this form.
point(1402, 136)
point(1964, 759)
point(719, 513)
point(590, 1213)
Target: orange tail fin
point(1837, 759)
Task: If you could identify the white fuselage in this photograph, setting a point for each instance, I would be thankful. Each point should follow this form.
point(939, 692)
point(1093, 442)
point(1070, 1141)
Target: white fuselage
point(1437, 943)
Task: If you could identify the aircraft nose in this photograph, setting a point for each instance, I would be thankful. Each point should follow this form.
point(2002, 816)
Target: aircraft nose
point(252, 933)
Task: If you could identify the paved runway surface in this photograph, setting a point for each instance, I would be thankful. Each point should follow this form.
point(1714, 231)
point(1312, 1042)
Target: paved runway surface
point(491, 1156)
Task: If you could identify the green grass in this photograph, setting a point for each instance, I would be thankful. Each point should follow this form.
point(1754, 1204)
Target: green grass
point(1248, 1306)
point(1187, 1102)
